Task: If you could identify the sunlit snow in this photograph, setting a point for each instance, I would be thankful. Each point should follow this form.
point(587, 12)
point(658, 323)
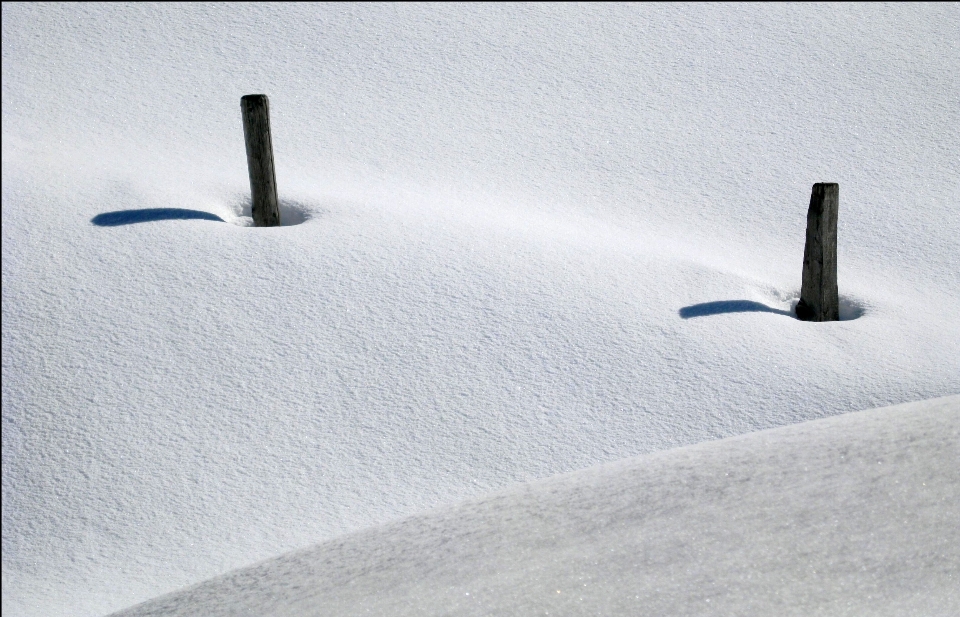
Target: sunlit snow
point(519, 241)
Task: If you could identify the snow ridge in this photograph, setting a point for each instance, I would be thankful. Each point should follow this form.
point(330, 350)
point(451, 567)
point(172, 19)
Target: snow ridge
point(853, 514)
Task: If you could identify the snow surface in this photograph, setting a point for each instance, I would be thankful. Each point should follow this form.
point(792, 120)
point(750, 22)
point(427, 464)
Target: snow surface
point(851, 515)
point(522, 240)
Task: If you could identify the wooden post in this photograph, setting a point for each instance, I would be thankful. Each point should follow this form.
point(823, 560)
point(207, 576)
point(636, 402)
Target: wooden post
point(255, 109)
point(819, 298)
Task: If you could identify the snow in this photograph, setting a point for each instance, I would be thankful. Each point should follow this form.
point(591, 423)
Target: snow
point(840, 516)
point(520, 241)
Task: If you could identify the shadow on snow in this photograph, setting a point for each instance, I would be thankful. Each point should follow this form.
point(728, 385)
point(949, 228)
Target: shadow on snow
point(129, 217)
point(729, 306)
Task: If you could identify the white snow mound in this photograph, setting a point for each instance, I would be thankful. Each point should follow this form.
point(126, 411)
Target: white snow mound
point(849, 515)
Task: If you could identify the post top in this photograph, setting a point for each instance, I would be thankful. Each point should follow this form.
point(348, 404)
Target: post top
point(253, 97)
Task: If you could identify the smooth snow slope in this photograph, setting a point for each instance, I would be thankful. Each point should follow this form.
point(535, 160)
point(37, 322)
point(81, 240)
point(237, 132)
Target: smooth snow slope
point(534, 239)
point(851, 515)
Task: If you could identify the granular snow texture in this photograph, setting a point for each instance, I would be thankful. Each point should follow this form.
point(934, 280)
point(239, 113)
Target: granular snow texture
point(519, 240)
point(851, 515)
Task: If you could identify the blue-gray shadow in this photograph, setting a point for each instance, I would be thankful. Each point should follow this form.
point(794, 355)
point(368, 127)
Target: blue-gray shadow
point(129, 217)
point(728, 306)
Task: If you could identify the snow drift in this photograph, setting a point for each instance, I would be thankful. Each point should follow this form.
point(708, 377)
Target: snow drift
point(530, 239)
point(851, 515)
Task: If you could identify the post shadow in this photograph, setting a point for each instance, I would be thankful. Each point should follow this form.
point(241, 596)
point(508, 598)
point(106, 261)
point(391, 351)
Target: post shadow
point(146, 215)
point(720, 307)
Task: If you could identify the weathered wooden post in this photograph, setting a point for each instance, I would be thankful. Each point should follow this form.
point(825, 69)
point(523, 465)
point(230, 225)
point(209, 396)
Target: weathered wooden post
point(819, 297)
point(255, 109)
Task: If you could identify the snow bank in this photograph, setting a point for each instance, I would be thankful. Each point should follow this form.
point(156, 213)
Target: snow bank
point(531, 239)
point(850, 515)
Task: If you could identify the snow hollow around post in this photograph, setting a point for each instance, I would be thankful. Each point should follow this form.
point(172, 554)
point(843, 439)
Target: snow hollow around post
point(292, 212)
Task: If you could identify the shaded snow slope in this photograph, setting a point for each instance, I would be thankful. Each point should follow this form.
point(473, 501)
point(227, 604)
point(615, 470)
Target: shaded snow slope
point(522, 241)
point(851, 515)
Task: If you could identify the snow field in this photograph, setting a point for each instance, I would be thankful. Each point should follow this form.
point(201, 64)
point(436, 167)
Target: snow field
point(504, 213)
